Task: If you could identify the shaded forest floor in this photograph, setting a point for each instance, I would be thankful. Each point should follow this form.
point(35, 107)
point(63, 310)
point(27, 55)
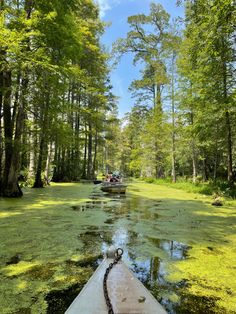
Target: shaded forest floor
point(177, 243)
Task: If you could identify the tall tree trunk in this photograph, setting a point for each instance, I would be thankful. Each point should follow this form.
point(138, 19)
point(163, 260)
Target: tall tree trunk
point(90, 171)
point(159, 171)
point(157, 98)
point(95, 152)
point(84, 173)
point(8, 132)
point(2, 53)
point(48, 162)
point(154, 268)
point(43, 140)
point(173, 120)
point(1, 135)
point(227, 114)
point(32, 154)
point(204, 169)
point(216, 154)
point(38, 183)
point(11, 186)
point(24, 151)
point(229, 148)
point(194, 154)
point(55, 162)
point(77, 133)
point(194, 162)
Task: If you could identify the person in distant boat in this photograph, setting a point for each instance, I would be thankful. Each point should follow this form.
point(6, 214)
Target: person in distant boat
point(108, 177)
point(114, 178)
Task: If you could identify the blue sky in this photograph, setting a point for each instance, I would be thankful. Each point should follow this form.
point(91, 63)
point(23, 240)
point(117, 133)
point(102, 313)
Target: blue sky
point(116, 12)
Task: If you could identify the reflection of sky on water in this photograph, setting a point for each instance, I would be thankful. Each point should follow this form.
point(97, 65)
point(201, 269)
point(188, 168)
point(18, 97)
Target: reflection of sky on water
point(120, 237)
point(128, 211)
point(133, 224)
point(176, 250)
point(142, 250)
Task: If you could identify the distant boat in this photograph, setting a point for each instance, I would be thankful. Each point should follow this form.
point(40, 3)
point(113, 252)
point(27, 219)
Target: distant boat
point(113, 187)
point(126, 293)
point(97, 181)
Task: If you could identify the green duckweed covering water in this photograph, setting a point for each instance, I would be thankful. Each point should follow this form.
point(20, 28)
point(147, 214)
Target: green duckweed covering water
point(177, 243)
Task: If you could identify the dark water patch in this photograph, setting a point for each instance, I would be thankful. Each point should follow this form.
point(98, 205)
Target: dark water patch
point(157, 203)
point(75, 207)
point(109, 221)
point(213, 251)
point(59, 300)
point(14, 259)
point(88, 234)
point(116, 200)
point(154, 240)
point(192, 304)
point(83, 207)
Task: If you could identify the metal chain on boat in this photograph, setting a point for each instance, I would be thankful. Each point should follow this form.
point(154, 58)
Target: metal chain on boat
point(118, 255)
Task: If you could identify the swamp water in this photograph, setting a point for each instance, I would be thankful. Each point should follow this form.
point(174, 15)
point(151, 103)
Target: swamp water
point(182, 248)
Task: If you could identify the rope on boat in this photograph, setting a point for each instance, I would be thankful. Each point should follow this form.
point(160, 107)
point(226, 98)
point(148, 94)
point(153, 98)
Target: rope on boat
point(118, 256)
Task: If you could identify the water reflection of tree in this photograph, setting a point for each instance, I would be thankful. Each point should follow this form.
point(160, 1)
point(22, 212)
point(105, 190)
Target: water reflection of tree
point(154, 268)
point(176, 250)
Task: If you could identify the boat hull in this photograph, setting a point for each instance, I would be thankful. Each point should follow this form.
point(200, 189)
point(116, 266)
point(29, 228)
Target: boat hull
point(114, 188)
point(127, 293)
point(97, 181)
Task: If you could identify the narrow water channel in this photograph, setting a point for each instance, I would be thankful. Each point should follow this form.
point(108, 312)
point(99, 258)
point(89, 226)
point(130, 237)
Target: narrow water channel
point(179, 246)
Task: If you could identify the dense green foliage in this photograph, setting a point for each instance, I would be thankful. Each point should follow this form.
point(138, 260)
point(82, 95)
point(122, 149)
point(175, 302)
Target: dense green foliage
point(189, 128)
point(55, 95)
point(58, 116)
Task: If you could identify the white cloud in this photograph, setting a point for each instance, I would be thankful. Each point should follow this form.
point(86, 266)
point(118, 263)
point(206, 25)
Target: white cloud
point(104, 6)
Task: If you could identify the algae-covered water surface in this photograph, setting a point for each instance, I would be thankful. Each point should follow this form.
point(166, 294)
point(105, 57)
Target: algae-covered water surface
point(179, 245)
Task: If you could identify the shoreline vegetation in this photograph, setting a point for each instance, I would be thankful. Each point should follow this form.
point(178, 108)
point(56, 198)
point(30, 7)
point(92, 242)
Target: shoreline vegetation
point(219, 188)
